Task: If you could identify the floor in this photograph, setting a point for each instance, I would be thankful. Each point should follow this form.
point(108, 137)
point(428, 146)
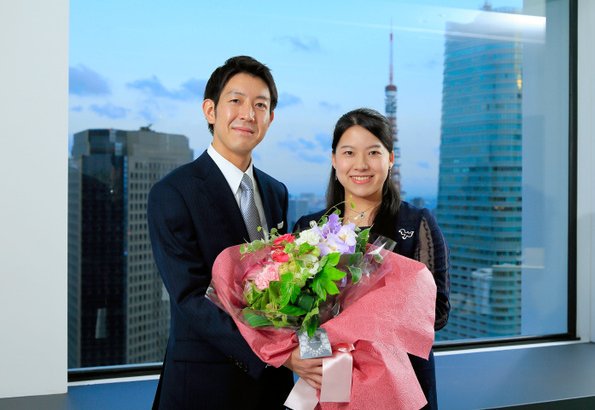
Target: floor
point(542, 378)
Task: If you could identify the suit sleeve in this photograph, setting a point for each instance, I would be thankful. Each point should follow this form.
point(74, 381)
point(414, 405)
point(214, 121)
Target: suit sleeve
point(433, 251)
point(185, 275)
point(303, 222)
point(300, 225)
point(285, 208)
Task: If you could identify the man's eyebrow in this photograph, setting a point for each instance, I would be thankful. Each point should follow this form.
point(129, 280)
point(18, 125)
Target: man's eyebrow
point(236, 92)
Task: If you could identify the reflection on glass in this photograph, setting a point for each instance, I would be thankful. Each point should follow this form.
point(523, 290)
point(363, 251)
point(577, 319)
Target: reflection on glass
point(117, 313)
point(477, 96)
point(480, 188)
point(491, 147)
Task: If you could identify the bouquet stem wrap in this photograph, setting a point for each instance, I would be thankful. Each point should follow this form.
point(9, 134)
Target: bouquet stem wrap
point(380, 323)
point(337, 373)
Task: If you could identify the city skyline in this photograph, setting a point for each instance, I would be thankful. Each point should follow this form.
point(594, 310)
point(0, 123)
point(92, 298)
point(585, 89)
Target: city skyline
point(127, 73)
point(488, 165)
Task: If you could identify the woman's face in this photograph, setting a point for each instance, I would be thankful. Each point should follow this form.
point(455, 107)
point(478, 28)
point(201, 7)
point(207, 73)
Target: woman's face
point(361, 163)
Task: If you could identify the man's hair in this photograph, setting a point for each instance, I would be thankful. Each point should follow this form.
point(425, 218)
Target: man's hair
point(237, 65)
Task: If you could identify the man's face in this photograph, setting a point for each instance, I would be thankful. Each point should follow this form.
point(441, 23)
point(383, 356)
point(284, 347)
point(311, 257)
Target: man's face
point(240, 119)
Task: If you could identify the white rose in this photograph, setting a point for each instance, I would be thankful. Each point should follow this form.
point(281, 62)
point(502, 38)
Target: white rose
point(309, 236)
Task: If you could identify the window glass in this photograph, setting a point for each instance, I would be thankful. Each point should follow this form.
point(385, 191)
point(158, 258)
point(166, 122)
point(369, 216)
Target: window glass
point(478, 94)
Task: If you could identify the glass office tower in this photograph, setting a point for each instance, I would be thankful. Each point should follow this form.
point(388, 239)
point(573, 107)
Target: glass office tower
point(118, 309)
point(480, 181)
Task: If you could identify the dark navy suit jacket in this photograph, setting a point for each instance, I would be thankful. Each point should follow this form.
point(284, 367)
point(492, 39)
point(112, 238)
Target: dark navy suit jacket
point(418, 237)
point(193, 216)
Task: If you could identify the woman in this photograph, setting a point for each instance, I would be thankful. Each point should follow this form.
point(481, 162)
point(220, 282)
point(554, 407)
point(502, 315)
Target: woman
point(360, 186)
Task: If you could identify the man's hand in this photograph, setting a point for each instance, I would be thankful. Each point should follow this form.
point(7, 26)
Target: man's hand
point(308, 369)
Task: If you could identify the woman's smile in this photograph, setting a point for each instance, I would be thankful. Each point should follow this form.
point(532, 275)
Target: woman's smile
point(361, 179)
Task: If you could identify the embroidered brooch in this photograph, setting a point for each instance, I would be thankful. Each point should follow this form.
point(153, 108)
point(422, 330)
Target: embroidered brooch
point(406, 234)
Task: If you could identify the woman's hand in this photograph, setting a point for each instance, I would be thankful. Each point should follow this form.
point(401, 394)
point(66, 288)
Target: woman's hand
point(308, 369)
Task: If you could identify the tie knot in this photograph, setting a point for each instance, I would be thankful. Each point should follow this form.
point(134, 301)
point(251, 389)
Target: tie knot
point(246, 183)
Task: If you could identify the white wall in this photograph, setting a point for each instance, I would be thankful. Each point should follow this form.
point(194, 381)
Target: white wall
point(586, 170)
point(33, 189)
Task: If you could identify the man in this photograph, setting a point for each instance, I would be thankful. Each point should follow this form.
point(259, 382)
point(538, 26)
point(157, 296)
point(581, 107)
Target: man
point(194, 213)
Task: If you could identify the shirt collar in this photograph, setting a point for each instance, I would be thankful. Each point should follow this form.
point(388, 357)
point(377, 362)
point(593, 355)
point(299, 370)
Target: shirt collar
point(233, 175)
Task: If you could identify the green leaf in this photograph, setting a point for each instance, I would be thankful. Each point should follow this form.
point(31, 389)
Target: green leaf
point(305, 248)
point(281, 322)
point(288, 290)
point(324, 281)
point(318, 287)
point(253, 246)
point(333, 259)
point(312, 325)
point(332, 273)
point(355, 258)
point(253, 298)
point(305, 302)
point(356, 273)
point(378, 258)
point(330, 287)
point(293, 311)
point(295, 293)
point(256, 320)
point(261, 302)
point(311, 321)
point(323, 261)
point(274, 292)
point(362, 239)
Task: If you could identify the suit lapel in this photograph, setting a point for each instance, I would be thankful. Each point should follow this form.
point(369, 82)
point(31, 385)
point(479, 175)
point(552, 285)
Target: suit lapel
point(267, 195)
point(216, 190)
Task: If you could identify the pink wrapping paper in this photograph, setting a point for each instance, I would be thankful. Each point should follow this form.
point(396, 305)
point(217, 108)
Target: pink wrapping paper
point(384, 322)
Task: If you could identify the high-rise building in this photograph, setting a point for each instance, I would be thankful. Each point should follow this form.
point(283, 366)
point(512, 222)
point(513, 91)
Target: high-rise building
point(305, 203)
point(480, 181)
point(390, 108)
point(118, 310)
point(297, 208)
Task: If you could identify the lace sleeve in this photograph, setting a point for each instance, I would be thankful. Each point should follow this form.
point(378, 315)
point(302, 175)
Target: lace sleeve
point(432, 250)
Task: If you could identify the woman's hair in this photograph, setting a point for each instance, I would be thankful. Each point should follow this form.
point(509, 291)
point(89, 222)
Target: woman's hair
point(379, 126)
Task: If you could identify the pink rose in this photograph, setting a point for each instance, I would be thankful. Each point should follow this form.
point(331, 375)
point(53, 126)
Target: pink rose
point(262, 273)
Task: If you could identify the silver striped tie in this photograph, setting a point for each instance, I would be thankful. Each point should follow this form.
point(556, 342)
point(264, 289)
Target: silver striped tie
point(248, 208)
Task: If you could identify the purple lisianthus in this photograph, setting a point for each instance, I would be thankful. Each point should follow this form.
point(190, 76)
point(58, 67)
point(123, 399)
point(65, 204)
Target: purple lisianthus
point(337, 237)
point(332, 226)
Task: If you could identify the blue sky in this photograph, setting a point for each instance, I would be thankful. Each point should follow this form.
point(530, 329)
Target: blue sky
point(134, 63)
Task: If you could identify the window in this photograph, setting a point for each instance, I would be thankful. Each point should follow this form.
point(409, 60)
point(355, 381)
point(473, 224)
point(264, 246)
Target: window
point(479, 95)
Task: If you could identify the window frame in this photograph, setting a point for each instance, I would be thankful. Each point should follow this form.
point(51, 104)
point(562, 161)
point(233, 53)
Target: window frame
point(153, 369)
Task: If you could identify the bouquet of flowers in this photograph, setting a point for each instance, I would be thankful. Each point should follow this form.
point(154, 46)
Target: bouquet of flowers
point(374, 305)
point(296, 283)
